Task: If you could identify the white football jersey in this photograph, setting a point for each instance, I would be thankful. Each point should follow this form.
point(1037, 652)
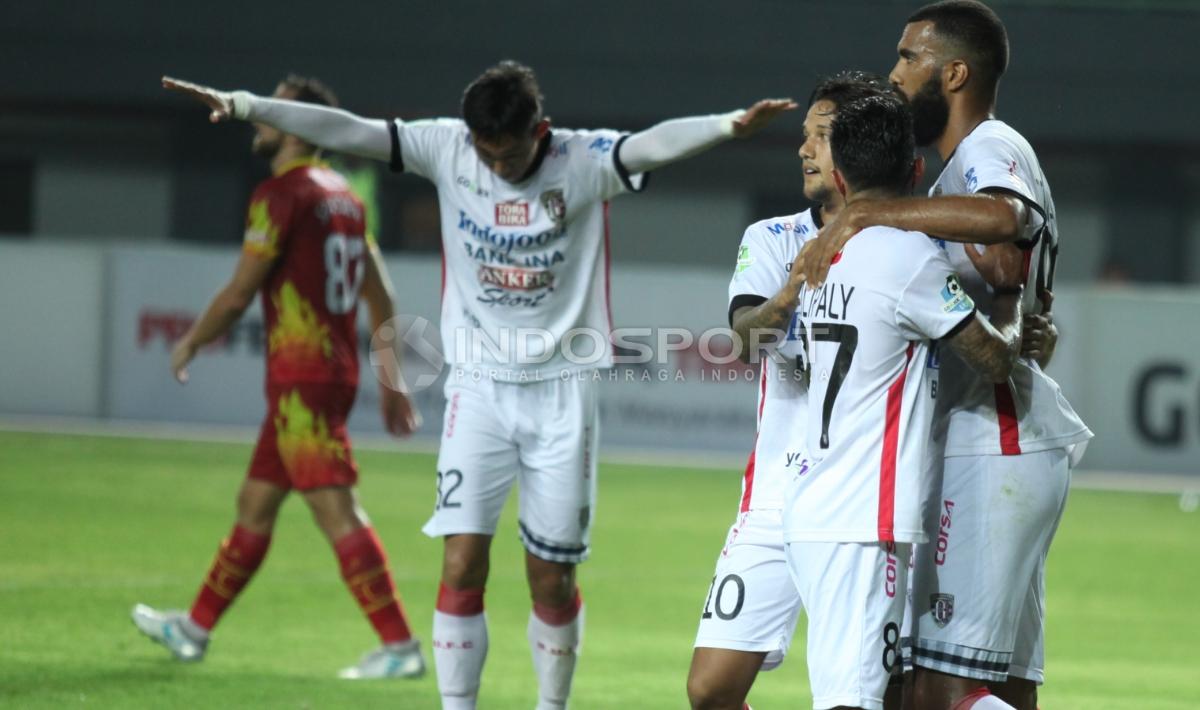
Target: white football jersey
point(870, 466)
point(763, 264)
point(523, 264)
point(1029, 413)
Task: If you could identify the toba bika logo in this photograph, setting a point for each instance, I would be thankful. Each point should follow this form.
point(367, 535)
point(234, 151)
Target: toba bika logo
point(941, 607)
point(514, 279)
point(512, 214)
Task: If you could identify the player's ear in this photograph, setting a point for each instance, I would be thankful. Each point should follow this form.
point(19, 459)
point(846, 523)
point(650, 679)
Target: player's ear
point(918, 171)
point(541, 128)
point(840, 183)
point(955, 74)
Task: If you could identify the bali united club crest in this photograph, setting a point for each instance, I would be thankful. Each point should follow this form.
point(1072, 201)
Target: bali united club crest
point(555, 205)
point(942, 608)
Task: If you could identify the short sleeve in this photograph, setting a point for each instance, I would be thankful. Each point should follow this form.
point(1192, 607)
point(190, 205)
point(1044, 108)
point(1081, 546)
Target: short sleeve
point(421, 147)
point(933, 304)
point(760, 269)
point(992, 164)
point(595, 162)
point(267, 222)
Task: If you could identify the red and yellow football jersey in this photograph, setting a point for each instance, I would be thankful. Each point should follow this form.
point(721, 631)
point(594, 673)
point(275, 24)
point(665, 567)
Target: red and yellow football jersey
point(307, 219)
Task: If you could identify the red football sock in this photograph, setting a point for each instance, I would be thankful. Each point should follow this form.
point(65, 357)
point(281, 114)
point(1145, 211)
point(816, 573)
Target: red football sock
point(560, 616)
point(968, 701)
point(364, 567)
point(459, 602)
point(237, 559)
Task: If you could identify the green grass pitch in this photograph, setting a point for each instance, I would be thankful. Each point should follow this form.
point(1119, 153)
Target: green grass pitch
point(92, 525)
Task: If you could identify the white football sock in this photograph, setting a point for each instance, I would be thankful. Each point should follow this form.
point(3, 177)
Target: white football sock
point(460, 646)
point(555, 649)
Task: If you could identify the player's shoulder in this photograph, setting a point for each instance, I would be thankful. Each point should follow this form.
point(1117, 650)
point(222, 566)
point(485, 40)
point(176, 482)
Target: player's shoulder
point(991, 135)
point(893, 250)
point(583, 143)
point(800, 225)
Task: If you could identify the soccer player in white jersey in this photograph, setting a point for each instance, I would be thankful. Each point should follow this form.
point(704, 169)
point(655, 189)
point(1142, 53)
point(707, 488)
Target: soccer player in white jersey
point(978, 592)
point(525, 246)
point(751, 606)
point(855, 506)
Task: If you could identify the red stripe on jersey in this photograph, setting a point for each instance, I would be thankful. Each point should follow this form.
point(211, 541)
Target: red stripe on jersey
point(1006, 413)
point(891, 443)
point(748, 476)
point(607, 276)
point(1026, 262)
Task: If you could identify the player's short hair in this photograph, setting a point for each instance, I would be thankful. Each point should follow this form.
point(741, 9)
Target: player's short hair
point(849, 85)
point(505, 100)
point(310, 90)
point(872, 143)
point(975, 30)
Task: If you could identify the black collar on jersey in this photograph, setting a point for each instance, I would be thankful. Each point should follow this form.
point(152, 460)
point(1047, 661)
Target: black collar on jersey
point(543, 149)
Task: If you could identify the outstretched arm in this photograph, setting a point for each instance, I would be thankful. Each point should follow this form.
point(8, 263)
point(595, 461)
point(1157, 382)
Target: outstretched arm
point(681, 138)
point(330, 128)
point(982, 218)
point(224, 310)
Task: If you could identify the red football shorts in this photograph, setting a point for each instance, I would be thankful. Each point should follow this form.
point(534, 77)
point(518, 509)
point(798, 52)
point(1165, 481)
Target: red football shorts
point(303, 442)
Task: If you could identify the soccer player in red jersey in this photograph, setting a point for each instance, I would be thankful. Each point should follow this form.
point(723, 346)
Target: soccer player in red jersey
point(307, 251)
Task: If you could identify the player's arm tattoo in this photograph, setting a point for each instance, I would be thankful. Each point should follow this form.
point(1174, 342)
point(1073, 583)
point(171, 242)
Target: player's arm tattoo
point(991, 348)
point(766, 323)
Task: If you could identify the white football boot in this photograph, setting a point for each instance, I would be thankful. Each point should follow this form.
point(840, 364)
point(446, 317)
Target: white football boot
point(172, 629)
point(394, 660)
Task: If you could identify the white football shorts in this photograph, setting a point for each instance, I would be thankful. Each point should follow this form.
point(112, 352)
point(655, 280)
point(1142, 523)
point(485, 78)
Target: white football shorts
point(854, 594)
point(752, 604)
point(978, 599)
point(541, 434)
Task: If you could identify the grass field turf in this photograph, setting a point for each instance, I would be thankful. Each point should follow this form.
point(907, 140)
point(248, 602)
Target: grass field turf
point(91, 525)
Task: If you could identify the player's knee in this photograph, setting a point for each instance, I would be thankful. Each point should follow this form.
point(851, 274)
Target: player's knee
point(705, 694)
point(464, 563)
point(256, 512)
point(551, 584)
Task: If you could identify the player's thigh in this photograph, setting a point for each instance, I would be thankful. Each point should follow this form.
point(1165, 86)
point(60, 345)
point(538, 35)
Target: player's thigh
point(558, 468)
point(751, 604)
point(854, 596)
point(996, 516)
point(477, 462)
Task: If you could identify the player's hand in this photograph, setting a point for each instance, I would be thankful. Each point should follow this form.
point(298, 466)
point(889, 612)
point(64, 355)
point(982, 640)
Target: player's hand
point(1001, 265)
point(830, 240)
point(220, 102)
point(1039, 335)
point(181, 355)
point(400, 414)
point(760, 114)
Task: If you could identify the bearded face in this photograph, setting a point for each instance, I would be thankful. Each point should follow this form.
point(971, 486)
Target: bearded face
point(931, 111)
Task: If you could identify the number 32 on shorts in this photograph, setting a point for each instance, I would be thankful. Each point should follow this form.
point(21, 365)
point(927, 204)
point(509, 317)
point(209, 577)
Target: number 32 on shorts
point(447, 484)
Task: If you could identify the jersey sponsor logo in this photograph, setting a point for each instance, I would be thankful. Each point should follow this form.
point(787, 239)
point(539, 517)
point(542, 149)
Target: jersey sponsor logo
point(744, 259)
point(891, 574)
point(955, 298)
point(507, 241)
point(516, 279)
point(943, 539)
point(471, 186)
point(512, 214)
point(972, 179)
point(941, 607)
point(780, 227)
point(601, 145)
point(495, 256)
point(555, 205)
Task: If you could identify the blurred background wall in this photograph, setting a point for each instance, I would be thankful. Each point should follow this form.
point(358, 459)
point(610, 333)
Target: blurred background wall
point(97, 160)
